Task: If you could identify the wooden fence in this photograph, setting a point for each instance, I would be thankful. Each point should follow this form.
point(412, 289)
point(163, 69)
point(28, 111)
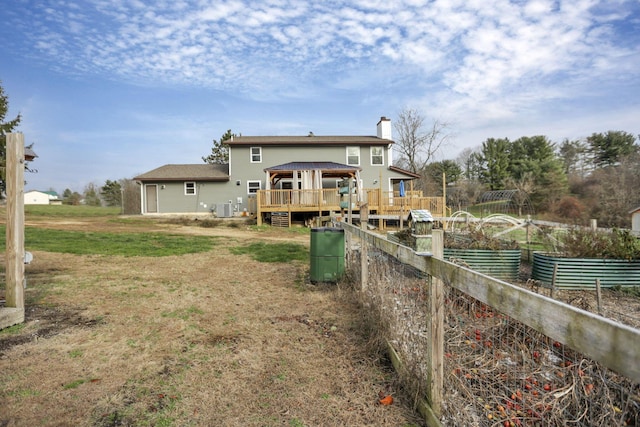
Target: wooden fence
point(557, 332)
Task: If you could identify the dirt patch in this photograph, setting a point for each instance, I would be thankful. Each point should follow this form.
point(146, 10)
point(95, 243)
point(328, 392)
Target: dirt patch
point(43, 322)
point(202, 339)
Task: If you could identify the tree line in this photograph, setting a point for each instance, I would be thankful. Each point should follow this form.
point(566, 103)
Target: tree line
point(123, 193)
point(574, 180)
point(595, 177)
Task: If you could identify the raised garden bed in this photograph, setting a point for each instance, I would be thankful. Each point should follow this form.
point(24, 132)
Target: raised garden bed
point(494, 257)
point(582, 273)
point(501, 264)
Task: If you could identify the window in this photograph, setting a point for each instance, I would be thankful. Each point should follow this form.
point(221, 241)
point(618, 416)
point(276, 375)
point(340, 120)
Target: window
point(377, 156)
point(256, 154)
point(253, 186)
point(353, 156)
point(189, 188)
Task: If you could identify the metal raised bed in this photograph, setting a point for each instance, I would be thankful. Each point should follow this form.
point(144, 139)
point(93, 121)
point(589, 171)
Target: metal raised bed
point(582, 273)
point(501, 264)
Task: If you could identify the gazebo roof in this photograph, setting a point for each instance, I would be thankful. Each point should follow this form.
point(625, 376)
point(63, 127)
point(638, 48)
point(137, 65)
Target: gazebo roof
point(329, 169)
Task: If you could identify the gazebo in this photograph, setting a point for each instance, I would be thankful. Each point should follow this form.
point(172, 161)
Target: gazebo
point(309, 175)
point(309, 188)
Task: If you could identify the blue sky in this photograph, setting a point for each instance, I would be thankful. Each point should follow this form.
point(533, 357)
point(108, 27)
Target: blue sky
point(110, 89)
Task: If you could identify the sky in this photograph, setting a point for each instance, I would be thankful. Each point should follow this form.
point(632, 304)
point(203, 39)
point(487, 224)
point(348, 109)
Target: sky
point(110, 89)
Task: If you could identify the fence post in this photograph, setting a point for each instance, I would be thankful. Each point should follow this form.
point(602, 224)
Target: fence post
point(364, 250)
point(553, 279)
point(599, 297)
point(15, 221)
point(436, 329)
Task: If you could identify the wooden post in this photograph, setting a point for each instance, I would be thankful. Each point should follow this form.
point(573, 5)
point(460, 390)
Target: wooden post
point(364, 249)
point(15, 221)
point(350, 201)
point(444, 194)
point(553, 279)
point(436, 329)
point(258, 210)
point(599, 297)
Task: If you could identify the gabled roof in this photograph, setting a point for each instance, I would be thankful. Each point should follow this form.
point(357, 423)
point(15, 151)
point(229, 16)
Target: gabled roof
point(197, 172)
point(29, 154)
point(309, 141)
point(420, 215)
point(635, 210)
point(404, 171)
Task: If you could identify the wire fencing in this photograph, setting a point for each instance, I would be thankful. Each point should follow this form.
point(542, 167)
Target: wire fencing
point(493, 368)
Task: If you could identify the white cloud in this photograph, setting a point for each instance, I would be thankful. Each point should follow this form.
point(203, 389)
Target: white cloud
point(492, 57)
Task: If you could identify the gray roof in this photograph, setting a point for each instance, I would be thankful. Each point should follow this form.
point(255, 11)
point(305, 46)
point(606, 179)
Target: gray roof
point(404, 171)
point(420, 215)
point(323, 166)
point(310, 140)
point(29, 154)
point(195, 172)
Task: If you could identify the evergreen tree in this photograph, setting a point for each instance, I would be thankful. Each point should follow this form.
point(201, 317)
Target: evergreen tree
point(495, 159)
point(608, 148)
point(111, 193)
point(5, 128)
point(220, 150)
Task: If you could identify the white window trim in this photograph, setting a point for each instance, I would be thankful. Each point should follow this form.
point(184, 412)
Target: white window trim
point(251, 154)
point(347, 155)
point(289, 183)
point(195, 188)
point(371, 156)
point(249, 186)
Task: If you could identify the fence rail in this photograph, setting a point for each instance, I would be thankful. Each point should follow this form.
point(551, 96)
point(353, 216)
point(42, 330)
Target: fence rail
point(508, 354)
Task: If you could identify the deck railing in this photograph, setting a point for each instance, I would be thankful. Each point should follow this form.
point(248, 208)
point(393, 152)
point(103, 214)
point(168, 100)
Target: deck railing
point(325, 198)
point(328, 199)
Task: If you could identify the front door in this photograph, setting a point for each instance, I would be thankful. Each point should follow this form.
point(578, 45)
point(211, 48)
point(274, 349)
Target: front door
point(152, 198)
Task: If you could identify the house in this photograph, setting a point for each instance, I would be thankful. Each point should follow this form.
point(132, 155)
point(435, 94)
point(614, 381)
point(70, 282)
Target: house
point(635, 221)
point(290, 179)
point(191, 188)
point(35, 197)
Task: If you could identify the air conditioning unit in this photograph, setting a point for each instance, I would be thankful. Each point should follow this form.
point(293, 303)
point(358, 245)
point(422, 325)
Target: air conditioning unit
point(224, 210)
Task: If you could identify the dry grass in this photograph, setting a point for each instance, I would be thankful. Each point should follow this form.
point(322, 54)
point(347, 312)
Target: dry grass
point(196, 340)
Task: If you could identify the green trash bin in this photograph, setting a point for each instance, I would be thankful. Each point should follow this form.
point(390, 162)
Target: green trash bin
point(327, 254)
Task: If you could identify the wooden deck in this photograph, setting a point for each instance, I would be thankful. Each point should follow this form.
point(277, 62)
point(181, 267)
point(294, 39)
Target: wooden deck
point(327, 202)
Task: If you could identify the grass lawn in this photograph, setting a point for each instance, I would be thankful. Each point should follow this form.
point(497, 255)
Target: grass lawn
point(134, 321)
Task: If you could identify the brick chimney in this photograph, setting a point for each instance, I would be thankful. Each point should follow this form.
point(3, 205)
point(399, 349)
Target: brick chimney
point(384, 128)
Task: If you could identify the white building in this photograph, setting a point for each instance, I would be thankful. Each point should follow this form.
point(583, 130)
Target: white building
point(635, 221)
point(35, 197)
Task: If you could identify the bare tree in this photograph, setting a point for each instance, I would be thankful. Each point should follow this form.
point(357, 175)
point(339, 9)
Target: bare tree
point(525, 185)
point(416, 142)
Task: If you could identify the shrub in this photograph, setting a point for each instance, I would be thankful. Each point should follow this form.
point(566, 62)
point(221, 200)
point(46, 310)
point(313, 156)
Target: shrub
point(477, 239)
point(570, 208)
point(472, 239)
point(614, 244)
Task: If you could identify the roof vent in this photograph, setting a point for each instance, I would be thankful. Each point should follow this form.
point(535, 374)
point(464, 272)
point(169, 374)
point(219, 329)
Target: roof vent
point(311, 134)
